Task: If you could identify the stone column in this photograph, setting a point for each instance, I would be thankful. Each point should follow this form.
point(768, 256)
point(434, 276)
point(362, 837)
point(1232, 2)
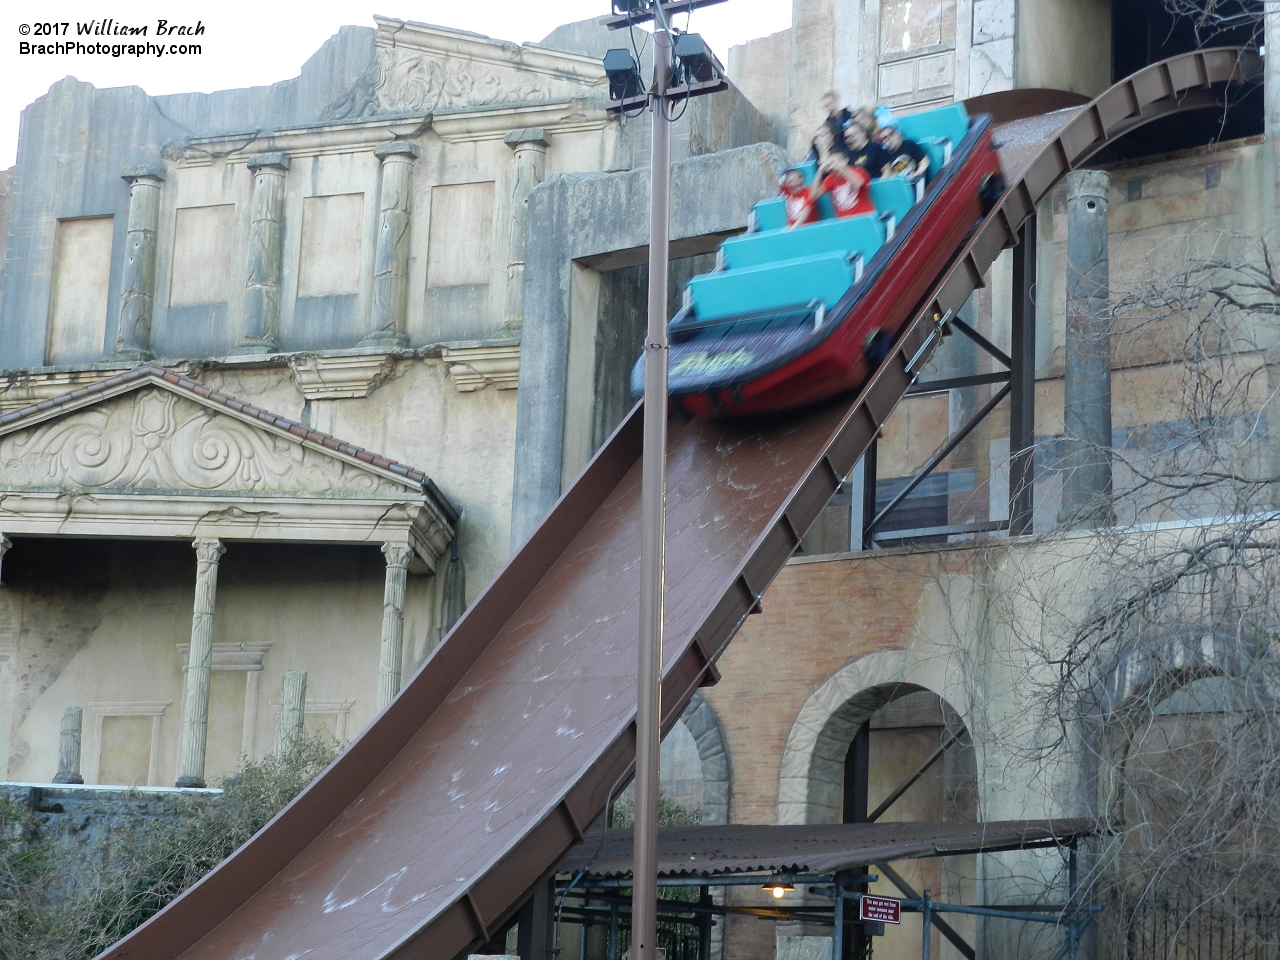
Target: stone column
point(266, 250)
point(69, 747)
point(398, 556)
point(293, 711)
point(530, 148)
point(1086, 487)
point(138, 283)
point(5, 544)
point(391, 257)
point(195, 708)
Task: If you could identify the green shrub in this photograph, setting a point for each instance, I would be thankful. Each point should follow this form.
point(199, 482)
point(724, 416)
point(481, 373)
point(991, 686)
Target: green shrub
point(143, 867)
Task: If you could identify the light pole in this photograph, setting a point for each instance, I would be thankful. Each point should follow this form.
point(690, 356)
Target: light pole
point(624, 84)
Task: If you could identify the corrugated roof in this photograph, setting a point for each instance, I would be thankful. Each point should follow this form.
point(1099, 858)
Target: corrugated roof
point(813, 848)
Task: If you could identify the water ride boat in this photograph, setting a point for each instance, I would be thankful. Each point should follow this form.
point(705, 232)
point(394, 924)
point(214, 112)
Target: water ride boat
point(794, 315)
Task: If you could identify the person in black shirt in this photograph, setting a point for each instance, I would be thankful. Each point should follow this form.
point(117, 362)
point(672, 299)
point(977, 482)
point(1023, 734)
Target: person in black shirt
point(905, 157)
point(865, 153)
point(837, 121)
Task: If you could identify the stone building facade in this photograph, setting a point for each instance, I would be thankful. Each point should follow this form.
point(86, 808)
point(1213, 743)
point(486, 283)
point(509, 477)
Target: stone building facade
point(281, 363)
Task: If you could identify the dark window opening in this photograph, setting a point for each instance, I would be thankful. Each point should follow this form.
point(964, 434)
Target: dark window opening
point(1144, 32)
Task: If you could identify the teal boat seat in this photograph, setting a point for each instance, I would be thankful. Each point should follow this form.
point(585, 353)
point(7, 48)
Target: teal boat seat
point(893, 195)
point(772, 286)
point(864, 235)
point(771, 214)
point(933, 129)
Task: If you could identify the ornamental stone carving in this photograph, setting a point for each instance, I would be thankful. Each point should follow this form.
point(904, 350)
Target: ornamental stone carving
point(417, 83)
point(156, 440)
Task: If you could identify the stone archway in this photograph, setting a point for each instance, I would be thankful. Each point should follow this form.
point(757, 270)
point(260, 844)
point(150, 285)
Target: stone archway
point(811, 777)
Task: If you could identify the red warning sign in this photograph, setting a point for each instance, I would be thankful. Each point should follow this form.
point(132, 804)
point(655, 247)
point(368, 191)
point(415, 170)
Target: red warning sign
point(879, 909)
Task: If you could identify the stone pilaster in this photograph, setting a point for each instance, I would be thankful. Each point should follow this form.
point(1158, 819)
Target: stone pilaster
point(391, 256)
point(398, 556)
point(138, 282)
point(266, 251)
point(195, 708)
point(530, 161)
point(69, 747)
point(5, 544)
point(1086, 404)
point(293, 711)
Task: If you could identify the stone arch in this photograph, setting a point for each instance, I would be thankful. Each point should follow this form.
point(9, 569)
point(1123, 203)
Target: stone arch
point(1135, 688)
point(811, 778)
point(717, 774)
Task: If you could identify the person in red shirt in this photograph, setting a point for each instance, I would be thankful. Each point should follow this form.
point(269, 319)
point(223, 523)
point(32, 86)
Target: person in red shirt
point(849, 186)
point(802, 207)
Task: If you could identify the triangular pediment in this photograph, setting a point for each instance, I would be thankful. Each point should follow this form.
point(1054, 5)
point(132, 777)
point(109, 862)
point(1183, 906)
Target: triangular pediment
point(424, 69)
point(147, 435)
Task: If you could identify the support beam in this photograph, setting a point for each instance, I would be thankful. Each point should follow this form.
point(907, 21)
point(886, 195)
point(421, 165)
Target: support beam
point(1022, 392)
point(944, 928)
point(906, 784)
point(1086, 403)
point(389, 661)
point(535, 932)
point(195, 707)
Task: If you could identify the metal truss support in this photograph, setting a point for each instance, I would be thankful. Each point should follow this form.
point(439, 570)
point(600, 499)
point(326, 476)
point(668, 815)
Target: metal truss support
point(1018, 384)
point(1022, 382)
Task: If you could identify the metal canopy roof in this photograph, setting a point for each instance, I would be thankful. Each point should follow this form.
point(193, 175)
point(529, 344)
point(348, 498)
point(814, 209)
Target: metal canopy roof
point(813, 848)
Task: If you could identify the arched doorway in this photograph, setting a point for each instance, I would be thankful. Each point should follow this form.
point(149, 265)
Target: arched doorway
point(878, 742)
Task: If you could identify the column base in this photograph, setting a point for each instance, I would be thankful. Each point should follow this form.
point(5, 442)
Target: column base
point(386, 340)
point(67, 778)
point(188, 782)
point(132, 354)
point(255, 346)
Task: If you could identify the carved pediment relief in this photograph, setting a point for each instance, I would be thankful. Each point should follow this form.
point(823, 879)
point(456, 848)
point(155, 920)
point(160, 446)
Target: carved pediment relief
point(154, 440)
point(424, 69)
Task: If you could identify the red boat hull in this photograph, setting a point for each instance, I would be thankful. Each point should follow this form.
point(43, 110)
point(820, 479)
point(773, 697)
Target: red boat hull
point(836, 362)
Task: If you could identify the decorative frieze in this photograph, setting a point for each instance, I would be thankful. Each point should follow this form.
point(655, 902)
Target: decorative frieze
point(475, 367)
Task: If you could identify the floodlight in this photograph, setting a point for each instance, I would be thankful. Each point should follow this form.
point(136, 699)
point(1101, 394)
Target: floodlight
point(779, 887)
point(696, 60)
point(623, 73)
point(623, 8)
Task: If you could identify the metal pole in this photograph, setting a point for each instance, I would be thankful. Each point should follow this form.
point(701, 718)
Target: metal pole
point(837, 943)
point(644, 917)
point(926, 942)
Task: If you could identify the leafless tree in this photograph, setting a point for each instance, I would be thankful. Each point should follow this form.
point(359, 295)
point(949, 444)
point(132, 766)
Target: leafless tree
point(1157, 668)
point(1212, 18)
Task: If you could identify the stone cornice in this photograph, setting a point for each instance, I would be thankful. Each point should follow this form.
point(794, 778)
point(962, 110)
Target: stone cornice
point(340, 378)
point(301, 142)
point(445, 42)
point(494, 123)
point(475, 367)
point(188, 515)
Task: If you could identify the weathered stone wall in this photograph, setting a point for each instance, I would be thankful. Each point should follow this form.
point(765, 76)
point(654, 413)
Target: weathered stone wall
point(586, 224)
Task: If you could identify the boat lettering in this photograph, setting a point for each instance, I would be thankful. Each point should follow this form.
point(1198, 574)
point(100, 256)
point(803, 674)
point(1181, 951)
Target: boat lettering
point(704, 364)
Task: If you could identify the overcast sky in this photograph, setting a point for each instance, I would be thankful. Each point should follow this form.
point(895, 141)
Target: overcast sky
point(251, 43)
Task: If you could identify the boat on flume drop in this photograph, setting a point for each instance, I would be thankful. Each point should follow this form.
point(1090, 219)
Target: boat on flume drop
point(794, 315)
